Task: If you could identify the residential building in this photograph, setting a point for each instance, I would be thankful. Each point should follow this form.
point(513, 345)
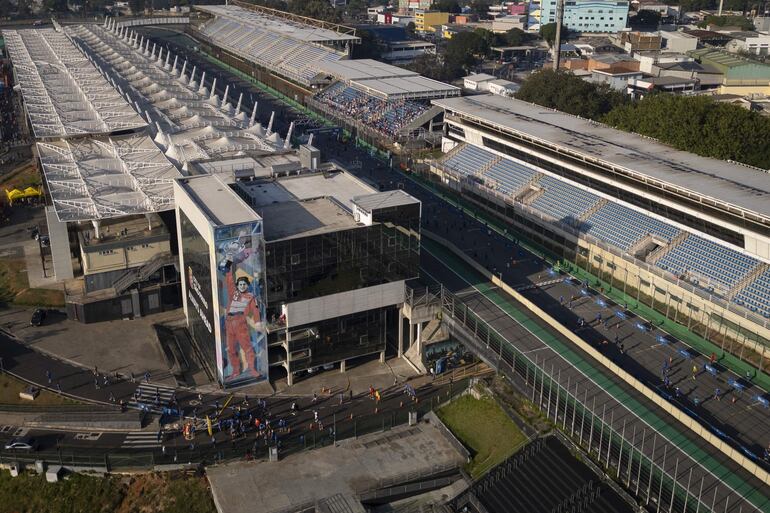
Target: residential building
point(505, 23)
point(647, 60)
point(635, 41)
point(618, 81)
point(426, 21)
point(588, 15)
point(678, 41)
point(503, 87)
point(749, 42)
point(478, 82)
point(640, 87)
point(413, 5)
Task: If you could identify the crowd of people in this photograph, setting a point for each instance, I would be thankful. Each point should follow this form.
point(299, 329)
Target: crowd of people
point(386, 117)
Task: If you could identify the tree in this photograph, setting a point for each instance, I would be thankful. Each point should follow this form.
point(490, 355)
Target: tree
point(645, 18)
point(700, 125)
point(548, 32)
point(480, 7)
point(516, 37)
point(432, 67)
point(564, 91)
point(410, 28)
point(137, 6)
point(450, 6)
point(727, 21)
point(462, 50)
point(356, 8)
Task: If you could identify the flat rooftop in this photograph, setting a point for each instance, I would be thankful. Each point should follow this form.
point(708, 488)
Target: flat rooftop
point(220, 203)
point(304, 218)
point(386, 199)
point(363, 68)
point(306, 204)
point(735, 184)
point(64, 93)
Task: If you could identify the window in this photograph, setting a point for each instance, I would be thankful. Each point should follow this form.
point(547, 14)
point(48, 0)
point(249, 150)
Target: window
point(693, 307)
point(660, 290)
point(643, 283)
point(145, 246)
point(295, 259)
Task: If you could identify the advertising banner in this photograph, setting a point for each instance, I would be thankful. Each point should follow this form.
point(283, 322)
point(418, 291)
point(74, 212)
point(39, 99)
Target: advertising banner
point(240, 282)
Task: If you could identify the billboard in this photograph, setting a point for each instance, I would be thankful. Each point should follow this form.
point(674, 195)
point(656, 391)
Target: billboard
point(240, 285)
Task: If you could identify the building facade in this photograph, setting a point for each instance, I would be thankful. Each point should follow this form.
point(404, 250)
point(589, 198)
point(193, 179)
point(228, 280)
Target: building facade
point(292, 273)
point(587, 16)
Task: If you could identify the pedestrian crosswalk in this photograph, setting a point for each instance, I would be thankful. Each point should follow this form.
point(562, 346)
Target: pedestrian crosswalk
point(152, 398)
point(141, 440)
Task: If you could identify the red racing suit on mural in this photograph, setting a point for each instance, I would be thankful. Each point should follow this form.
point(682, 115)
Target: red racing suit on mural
point(241, 307)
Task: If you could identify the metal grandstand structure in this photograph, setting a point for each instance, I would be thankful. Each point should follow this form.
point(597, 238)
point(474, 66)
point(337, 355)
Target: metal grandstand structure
point(65, 94)
point(98, 178)
point(344, 32)
point(287, 48)
point(189, 120)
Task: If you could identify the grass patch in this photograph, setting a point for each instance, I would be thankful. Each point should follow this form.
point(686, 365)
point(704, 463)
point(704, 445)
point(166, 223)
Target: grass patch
point(14, 287)
point(145, 493)
point(10, 388)
point(482, 426)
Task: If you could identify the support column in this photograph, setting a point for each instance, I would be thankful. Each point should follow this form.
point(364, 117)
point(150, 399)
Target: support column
point(419, 338)
point(343, 366)
point(382, 356)
point(289, 378)
point(400, 334)
point(411, 334)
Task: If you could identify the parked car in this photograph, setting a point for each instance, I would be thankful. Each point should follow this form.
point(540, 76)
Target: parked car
point(38, 317)
point(22, 444)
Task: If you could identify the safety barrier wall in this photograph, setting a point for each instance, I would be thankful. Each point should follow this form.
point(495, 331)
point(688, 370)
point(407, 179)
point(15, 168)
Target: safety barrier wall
point(692, 424)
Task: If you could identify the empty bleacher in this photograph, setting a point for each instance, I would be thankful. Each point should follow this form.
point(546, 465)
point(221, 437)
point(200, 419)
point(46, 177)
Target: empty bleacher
point(541, 477)
point(756, 295)
point(563, 201)
point(469, 160)
point(623, 227)
point(510, 176)
point(707, 264)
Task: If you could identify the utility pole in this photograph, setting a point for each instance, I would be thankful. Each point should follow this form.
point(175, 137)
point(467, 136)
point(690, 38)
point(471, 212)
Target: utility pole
point(557, 39)
point(721, 2)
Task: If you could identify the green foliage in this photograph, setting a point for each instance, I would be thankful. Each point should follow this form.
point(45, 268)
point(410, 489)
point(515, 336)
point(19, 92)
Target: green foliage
point(699, 125)
point(645, 18)
point(464, 48)
point(356, 7)
point(517, 37)
point(31, 493)
point(451, 6)
point(564, 91)
point(410, 28)
point(480, 7)
point(431, 67)
point(548, 32)
point(137, 6)
point(727, 21)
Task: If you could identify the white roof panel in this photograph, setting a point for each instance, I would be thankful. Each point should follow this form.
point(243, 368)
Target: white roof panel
point(64, 93)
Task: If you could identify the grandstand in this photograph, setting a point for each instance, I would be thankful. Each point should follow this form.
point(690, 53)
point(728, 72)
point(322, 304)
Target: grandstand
point(188, 121)
point(542, 476)
point(687, 232)
point(65, 95)
point(384, 99)
point(289, 47)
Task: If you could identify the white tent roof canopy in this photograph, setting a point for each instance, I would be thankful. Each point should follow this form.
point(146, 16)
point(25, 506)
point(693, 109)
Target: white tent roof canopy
point(103, 177)
point(64, 93)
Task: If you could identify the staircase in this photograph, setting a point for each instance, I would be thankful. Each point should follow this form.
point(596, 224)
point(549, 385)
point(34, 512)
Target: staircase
point(591, 211)
point(663, 251)
point(746, 280)
point(140, 274)
point(530, 194)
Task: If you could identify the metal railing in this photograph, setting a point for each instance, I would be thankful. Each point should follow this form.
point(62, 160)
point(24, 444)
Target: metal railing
point(649, 481)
